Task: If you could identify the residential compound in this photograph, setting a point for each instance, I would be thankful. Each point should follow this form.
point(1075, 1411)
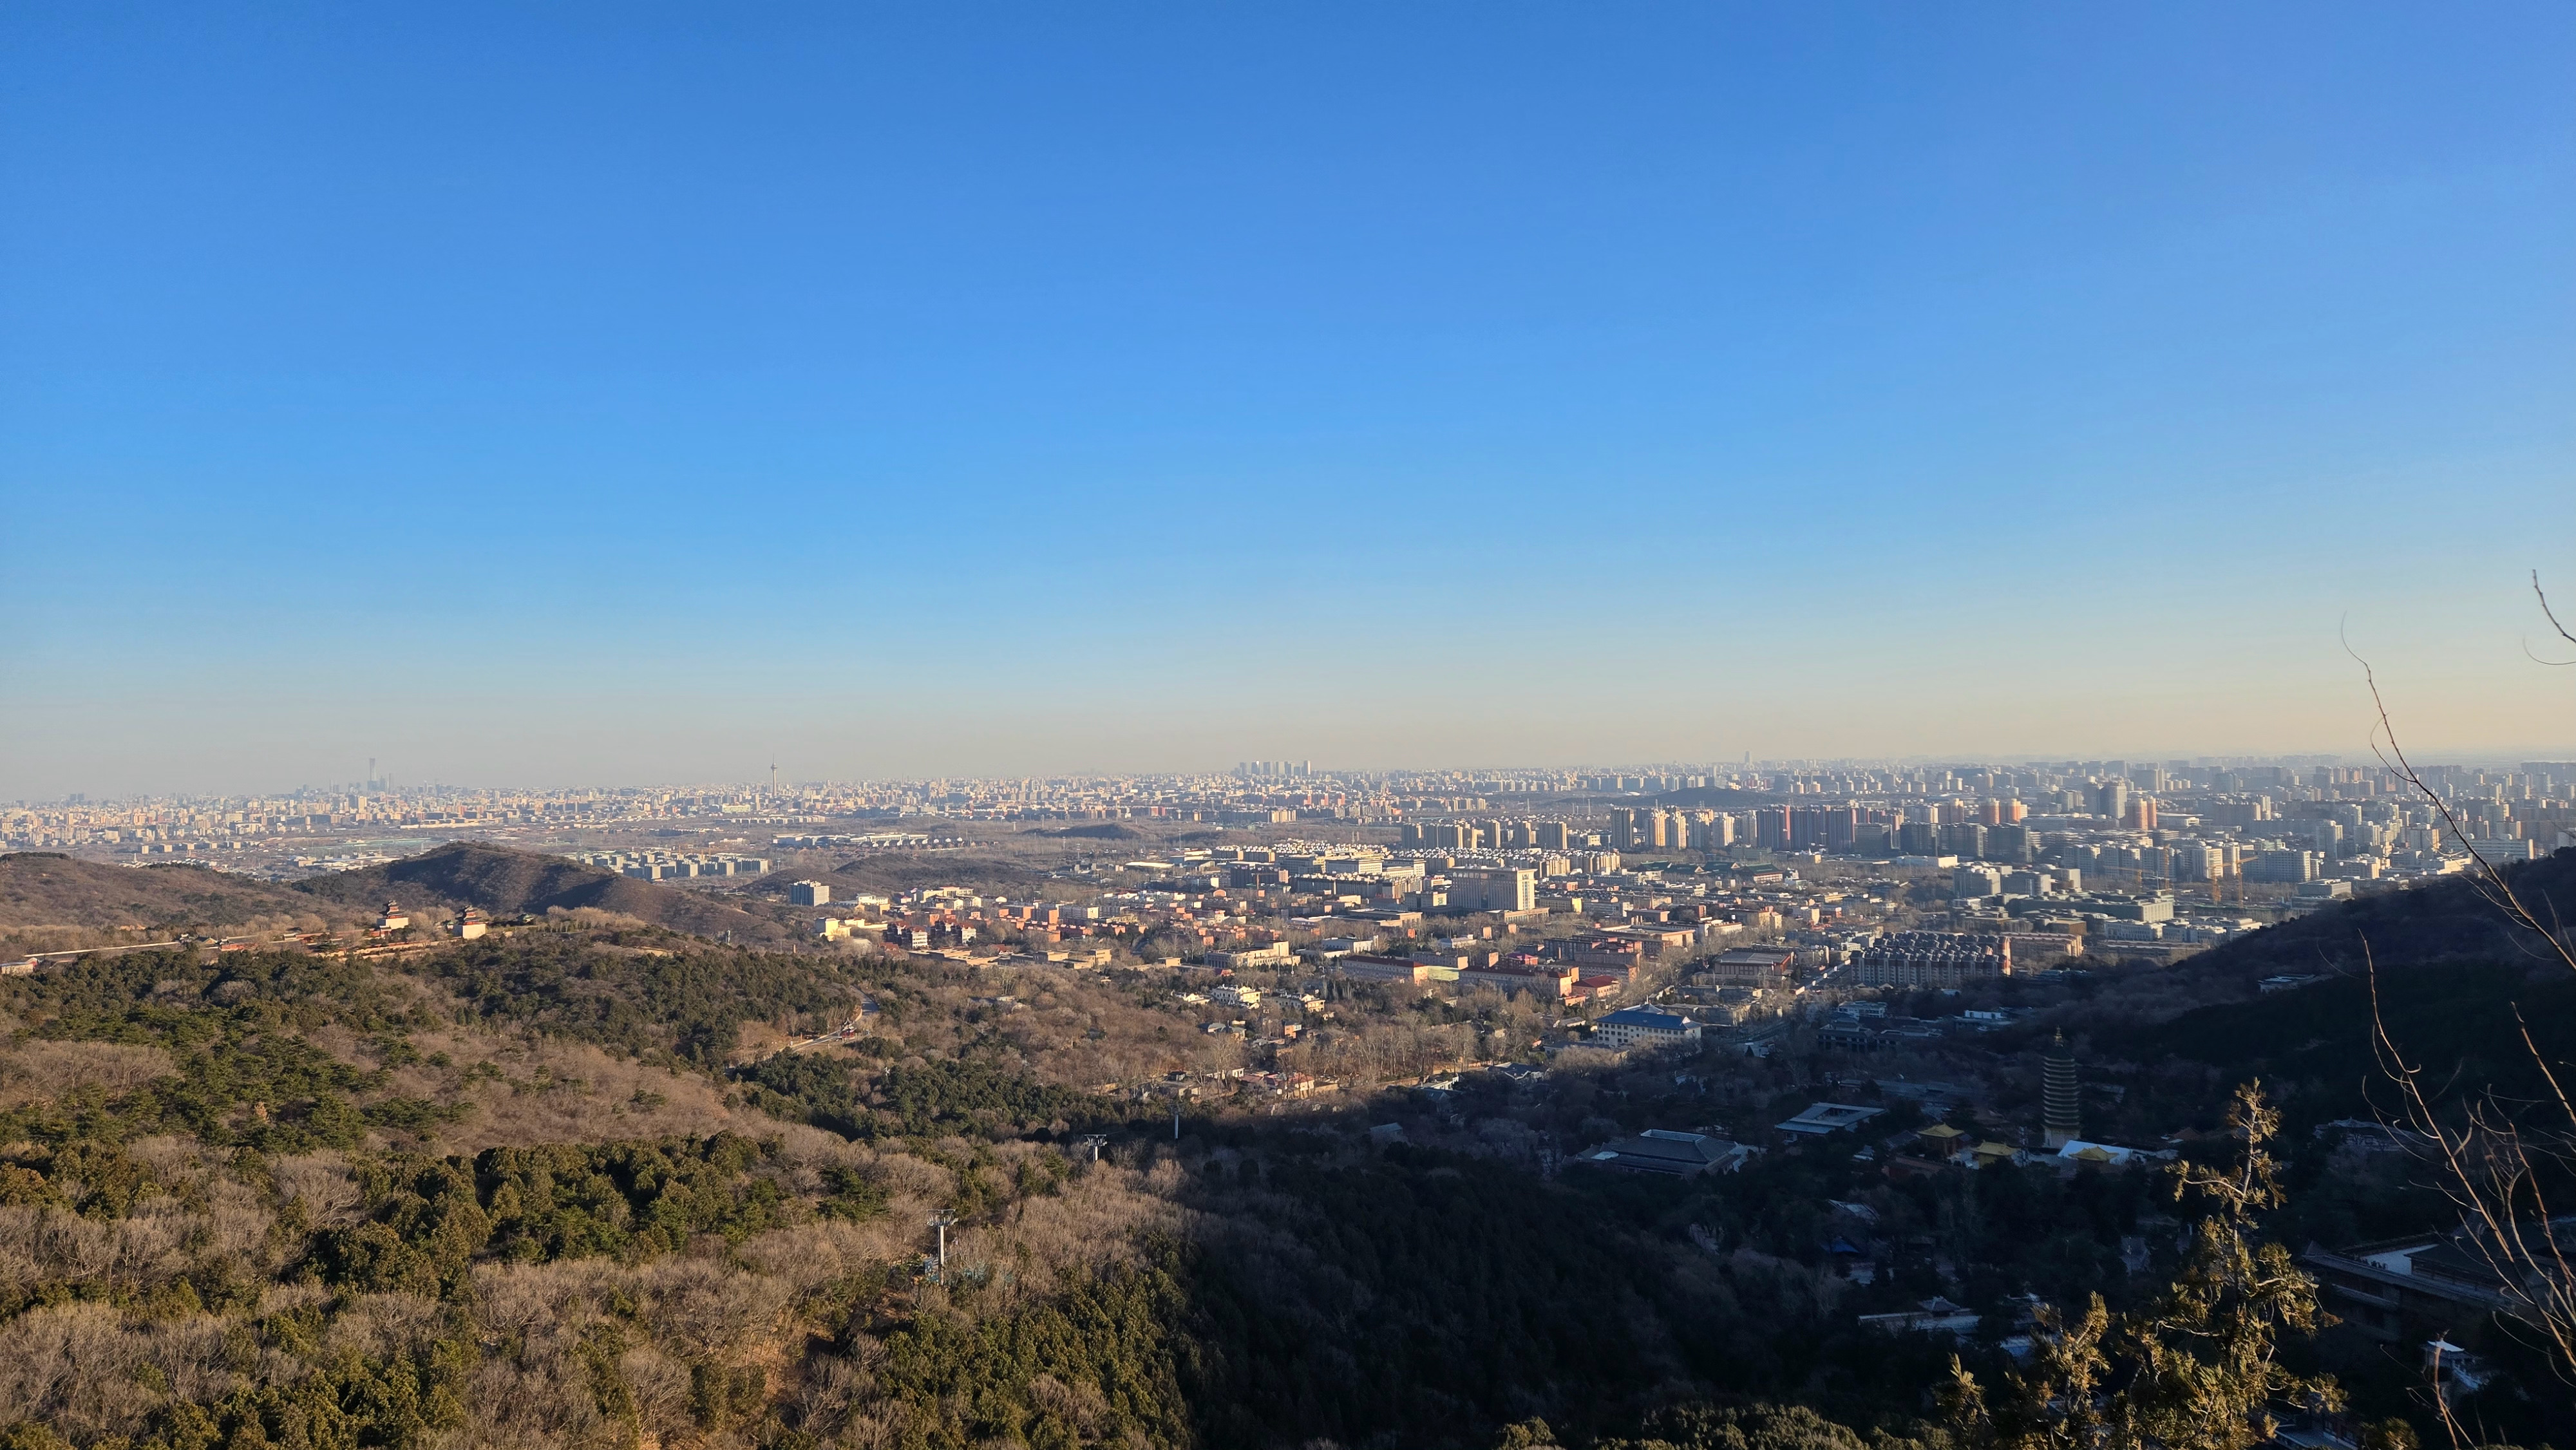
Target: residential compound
point(673, 865)
point(1939, 960)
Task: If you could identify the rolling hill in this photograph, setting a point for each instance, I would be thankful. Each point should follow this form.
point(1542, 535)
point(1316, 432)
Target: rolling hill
point(52, 901)
point(2455, 983)
point(2445, 921)
point(504, 882)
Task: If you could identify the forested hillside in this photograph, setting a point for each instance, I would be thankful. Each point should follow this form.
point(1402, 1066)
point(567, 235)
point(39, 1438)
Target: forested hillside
point(350, 1202)
point(566, 1186)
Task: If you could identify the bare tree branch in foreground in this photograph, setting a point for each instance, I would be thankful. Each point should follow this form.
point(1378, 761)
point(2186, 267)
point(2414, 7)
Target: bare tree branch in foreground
point(2492, 1156)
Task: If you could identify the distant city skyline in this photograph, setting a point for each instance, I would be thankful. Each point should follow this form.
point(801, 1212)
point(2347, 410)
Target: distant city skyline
point(595, 395)
point(2314, 829)
point(1677, 773)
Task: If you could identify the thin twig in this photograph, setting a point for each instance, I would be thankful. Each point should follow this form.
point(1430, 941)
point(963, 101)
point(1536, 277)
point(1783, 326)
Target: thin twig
point(2550, 613)
point(2489, 879)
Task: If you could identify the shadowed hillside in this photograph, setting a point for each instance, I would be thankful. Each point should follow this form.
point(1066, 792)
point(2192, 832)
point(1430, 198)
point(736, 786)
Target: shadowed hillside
point(2456, 1018)
point(2444, 927)
point(504, 882)
point(2448, 920)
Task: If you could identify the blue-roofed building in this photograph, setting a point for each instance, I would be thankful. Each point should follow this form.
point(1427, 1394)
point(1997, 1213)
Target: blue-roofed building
point(1644, 1027)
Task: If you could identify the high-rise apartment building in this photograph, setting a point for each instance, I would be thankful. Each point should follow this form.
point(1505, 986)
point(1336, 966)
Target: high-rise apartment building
point(2111, 799)
point(1505, 890)
point(2286, 868)
point(1624, 832)
point(1771, 828)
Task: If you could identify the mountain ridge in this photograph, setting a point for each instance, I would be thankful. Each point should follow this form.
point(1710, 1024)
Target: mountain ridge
point(503, 881)
point(55, 902)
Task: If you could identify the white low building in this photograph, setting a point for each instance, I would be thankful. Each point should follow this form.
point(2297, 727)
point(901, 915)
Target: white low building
point(1643, 1027)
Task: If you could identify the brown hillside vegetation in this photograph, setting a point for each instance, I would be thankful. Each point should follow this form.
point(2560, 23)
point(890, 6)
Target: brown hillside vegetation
point(504, 882)
point(50, 902)
point(558, 1187)
point(342, 1209)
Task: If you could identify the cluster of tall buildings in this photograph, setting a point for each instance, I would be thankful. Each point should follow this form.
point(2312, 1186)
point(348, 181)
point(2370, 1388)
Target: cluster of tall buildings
point(1641, 828)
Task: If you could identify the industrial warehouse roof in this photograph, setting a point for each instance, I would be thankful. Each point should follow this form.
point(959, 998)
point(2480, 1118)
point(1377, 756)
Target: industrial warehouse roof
point(1659, 1150)
point(1823, 1118)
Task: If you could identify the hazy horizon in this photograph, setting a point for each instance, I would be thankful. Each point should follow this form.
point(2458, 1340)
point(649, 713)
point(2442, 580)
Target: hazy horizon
point(392, 779)
point(621, 397)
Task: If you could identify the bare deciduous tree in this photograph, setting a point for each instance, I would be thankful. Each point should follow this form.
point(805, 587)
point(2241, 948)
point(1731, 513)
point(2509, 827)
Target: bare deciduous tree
point(2495, 1158)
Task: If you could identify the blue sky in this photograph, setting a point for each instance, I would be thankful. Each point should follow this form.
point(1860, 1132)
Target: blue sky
point(629, 393)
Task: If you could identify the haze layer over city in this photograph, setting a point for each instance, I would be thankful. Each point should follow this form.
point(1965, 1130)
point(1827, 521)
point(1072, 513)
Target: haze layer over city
point(1156, 727)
